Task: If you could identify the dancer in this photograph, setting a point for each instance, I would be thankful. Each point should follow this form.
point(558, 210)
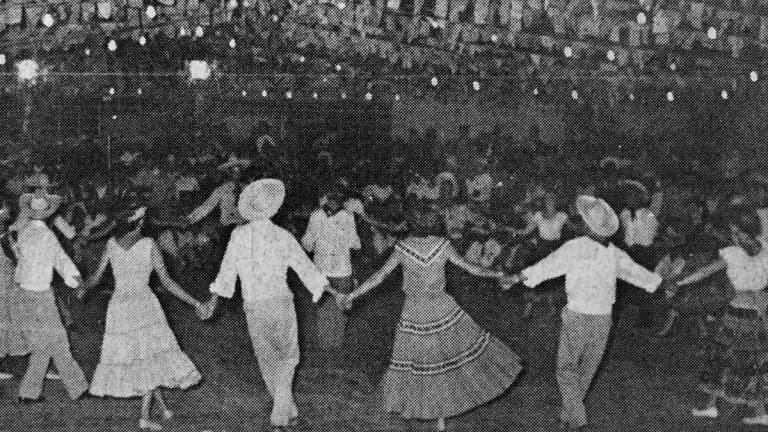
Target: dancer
point(12, 342)
point(139, 354)
point(331, 234)
point(260, 253)
point(591, 266)
point(735, 367)
point(443, 364)
point(39, 253)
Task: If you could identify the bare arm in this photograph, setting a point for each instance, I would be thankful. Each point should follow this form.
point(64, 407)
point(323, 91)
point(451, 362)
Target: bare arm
point(704, 272)
point(472, 269)
point(377, 278)
point(96, 276)
point(171, 285)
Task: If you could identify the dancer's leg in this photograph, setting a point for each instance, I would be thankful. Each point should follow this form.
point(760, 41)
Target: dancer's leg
point(146, 406)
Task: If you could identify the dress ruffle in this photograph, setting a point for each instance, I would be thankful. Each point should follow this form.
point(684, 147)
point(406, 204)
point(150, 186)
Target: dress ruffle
point(446, 367)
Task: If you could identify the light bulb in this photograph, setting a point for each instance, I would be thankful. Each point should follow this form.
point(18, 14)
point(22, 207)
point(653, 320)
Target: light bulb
point(142, 40)
point(302, 59)
point(342, 5)
point(673, 67)
point(87, 51)
point(48, 20)
point(712, 33)
point(670, 96)
point(338, 68)
point(263, 93)
point(114, 117)
point(112, 45)
point(535, 91)
point(314, 95)
point(182, 31)
point(641, 18)
point(476, 86)
point(199, 31)
point(610, 55)
point(397, 97)
point(343, 95)
point(494, 38)
point(289, 95)
point(724, 94)
point(244, 93)
point(568, 51)
point(434, 81)
point(368, 96)
point(139, 91)
point(151, 12)
point(112, 91)
point(574, 94)
point(631, 96)
point(2, 59)
point(753, 76)
point(232, 43)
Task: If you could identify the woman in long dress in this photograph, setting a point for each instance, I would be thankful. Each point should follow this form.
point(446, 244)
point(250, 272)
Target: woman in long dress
point(443, 364)
point(139, 354)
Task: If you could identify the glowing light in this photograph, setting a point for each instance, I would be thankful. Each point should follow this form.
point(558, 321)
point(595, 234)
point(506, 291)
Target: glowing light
point(434, 81)
point(232, 4)
point(139, 91)
point(476, 86)
point(112, 91)
point(48, 20)
point(536, 91)
point(112, 45)
point(244, 93)
point(246, 3)
point(641, 18)
point(368, 96)
point(338, 68)
point(3, 60)
point(27, 70)
point(753, 76)
point(264, 93)
point(397, 97)
point(199, 70)
point(114, 117)
point(494, 38)
point(568, 51)
point(199, 31)
point(142, 40)
point(314, 95)
point(724, 94)
point(712, 33)
point(673, 67)
point(610, 55)
point(275, 18)
point(289, 95)
point(670, 96)
point(182, 31)
point(343, 95)
point(232, 43)
point(302, 59)
point(574, 94)
point(151, 12)
point(342, 5)
point(87, 52)
point(631, 96)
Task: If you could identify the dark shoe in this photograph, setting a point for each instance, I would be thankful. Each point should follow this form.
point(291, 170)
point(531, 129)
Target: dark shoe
point(27, 401)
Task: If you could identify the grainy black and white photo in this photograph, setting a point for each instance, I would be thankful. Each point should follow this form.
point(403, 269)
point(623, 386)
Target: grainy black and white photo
point(383, 215)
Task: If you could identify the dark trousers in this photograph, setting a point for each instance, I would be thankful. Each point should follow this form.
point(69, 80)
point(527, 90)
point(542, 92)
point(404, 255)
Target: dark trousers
point(332, 321)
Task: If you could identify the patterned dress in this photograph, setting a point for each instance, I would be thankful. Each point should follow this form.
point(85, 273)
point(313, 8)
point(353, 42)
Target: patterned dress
point(139, 352)
point(443, 363)
point(12, 342)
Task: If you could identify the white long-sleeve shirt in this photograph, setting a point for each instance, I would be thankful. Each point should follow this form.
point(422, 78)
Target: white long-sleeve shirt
point(260, 253)
point(591, 270)
point(39, 254)
point(331, 238)
point(641, 229)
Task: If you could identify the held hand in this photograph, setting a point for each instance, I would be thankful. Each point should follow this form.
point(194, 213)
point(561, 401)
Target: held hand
point(80, 292)
point(508, 281)
point(204, 311)
point(341, 301)
point(78, 282)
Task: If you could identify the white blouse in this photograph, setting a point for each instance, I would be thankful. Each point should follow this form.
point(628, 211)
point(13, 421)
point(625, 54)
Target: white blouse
point(640, 230)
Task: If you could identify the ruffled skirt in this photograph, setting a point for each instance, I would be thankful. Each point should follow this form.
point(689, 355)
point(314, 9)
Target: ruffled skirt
point(443, 364)
point(736, 361)
point(140, 352)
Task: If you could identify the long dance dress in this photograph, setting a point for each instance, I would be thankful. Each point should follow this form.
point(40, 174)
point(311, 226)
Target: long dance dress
point(443, 363)
point(139, 352)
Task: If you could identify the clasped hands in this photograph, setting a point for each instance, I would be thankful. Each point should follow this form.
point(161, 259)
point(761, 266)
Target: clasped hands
point(205, 309)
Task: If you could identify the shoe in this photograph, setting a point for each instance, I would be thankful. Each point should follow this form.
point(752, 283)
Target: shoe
point(5, 376)
point(705, 413)
point(28, 401)
point(52, 376)
point(757, 420)
point(167, 414)
point(150, 425)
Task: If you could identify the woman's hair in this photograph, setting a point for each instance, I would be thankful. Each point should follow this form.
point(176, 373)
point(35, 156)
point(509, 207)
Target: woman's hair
point(745, 219)
point(423, 221)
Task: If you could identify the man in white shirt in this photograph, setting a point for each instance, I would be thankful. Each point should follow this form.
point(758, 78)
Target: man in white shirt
point(39, 254)
point(260, 253)
point(591, 267)
point(331, 234)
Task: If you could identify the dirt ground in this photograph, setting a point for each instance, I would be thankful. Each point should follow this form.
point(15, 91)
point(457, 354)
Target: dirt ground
point(644, 383)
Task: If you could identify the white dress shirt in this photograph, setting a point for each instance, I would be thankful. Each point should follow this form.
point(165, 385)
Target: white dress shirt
point(748, 274)
point(641, 229)
point(331, 238)
point(39, 254)
point(260, 253)
point(591, 270)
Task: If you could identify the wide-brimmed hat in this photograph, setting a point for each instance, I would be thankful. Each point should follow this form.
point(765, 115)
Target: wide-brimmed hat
point(598, 215)
point(39, 205)
point(261, 199)
point(233, 162)
point(39, 181)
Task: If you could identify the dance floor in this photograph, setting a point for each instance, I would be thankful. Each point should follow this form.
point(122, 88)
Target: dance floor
point(644, 384)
